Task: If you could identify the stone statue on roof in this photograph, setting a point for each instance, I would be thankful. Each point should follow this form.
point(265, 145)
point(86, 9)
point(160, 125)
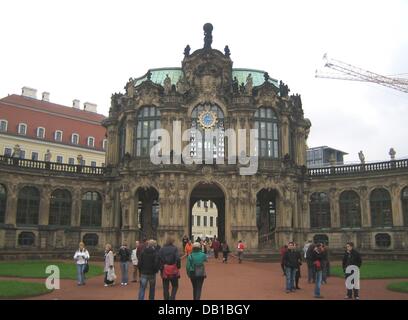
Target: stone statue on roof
point(47, 156)
point(249, 84)
point(266, 76)
point(235, 85)
point(361, 157)
point(208, 28)
point(227, 51)
point(167, 84)
point(16, 151)
point(392, 153)
point(283, 89)
point(187, 50)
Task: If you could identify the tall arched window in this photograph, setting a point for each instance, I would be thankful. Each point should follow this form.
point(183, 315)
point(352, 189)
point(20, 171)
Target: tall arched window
point(148, 119)
point(28, 205)
point(3, 201)
point(91, 210)
point(319, 210)
point(350, 210)
point(404, 200)
point(60, 208)
point(207, 117)
point(266, 123)
point(380, 205)
point(122, 140)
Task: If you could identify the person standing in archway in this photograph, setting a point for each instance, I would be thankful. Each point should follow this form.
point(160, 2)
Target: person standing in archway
point(216, 246)
point(185, 240)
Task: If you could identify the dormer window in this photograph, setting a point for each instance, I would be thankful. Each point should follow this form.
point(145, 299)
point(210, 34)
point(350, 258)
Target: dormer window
point(3, 125)
point(22, 129)
point(40, 132)
point(75, 138)
point(58, 135)
point(104, 144)
point(91, 142)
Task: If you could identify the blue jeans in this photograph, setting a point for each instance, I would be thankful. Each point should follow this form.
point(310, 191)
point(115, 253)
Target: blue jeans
point(144, 279)
point(290, 278)
point(319, 275)
point(80, 273)
point(124, 267)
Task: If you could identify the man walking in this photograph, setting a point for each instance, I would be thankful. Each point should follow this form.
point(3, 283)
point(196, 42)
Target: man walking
point(124, 258)
point(148, 267)
point(352, 258)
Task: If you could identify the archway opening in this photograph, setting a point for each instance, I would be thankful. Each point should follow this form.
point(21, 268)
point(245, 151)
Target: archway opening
point(147, 212)
point(266, 205)
point(207, 212)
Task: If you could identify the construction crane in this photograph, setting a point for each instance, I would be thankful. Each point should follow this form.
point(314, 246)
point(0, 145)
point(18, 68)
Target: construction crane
point(345, 71)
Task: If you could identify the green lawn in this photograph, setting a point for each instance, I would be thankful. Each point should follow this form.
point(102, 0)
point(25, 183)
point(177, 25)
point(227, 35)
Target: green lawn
point(18, 289)
point(36, 269)
point(398, 286)
point(378, 270)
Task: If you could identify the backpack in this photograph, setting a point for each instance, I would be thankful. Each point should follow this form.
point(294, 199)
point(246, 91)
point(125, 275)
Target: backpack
point(198, 270)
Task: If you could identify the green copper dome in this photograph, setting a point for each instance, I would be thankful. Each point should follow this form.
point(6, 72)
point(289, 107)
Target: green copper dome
point(158, 76)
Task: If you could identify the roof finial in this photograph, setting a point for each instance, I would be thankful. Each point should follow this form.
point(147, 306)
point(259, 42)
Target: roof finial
point(208, 28)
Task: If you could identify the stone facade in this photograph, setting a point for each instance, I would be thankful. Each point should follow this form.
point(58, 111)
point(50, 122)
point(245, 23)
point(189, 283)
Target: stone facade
point(144, 200)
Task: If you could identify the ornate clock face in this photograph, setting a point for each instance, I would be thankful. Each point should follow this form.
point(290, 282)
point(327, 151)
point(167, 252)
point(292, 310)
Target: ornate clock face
point(207, 119)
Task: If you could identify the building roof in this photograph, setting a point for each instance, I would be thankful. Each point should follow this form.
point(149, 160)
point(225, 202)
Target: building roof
point(38, 113)
point(158, 75)
point(326, 147)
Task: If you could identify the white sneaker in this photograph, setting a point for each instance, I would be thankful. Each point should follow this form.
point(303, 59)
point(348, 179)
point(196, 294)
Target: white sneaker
point(121, 283)
point(105, 285)
point(125, 284)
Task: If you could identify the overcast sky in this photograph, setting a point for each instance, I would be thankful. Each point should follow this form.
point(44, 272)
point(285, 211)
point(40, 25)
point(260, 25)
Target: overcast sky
point(88, 49)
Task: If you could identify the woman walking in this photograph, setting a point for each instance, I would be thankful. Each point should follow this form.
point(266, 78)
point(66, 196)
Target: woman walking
point(196, 270)
point(81, 257)
point(108, 268)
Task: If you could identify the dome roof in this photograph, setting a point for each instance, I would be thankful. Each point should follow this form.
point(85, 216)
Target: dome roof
point(158, 75)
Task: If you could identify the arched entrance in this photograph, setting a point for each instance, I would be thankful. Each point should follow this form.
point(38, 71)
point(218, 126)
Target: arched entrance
point(266, 205)
point(207, 194)
point(147, 212)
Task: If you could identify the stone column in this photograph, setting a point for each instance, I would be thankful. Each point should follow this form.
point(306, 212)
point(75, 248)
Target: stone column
point(284, 134)
point(365, 207)
point(11, 207)
point(112, 152)
point(300, 146)
point(397, 215)
point(334, 208)
point(44, 207)
point(76, 208)
point(130, 126)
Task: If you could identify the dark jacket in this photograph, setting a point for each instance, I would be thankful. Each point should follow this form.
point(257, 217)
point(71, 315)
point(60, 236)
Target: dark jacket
point(291, 259)
point(352, 258)
point(168, 254)
point(124, 254)
point(140, 249)
point(149, 261)
point(317, 256)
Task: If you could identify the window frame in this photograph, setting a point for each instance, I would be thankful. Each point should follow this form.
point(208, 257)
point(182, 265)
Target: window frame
point(37, 135)
point(72, 138)
point(55, 135)
point(6, 122)
point(25, 131)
